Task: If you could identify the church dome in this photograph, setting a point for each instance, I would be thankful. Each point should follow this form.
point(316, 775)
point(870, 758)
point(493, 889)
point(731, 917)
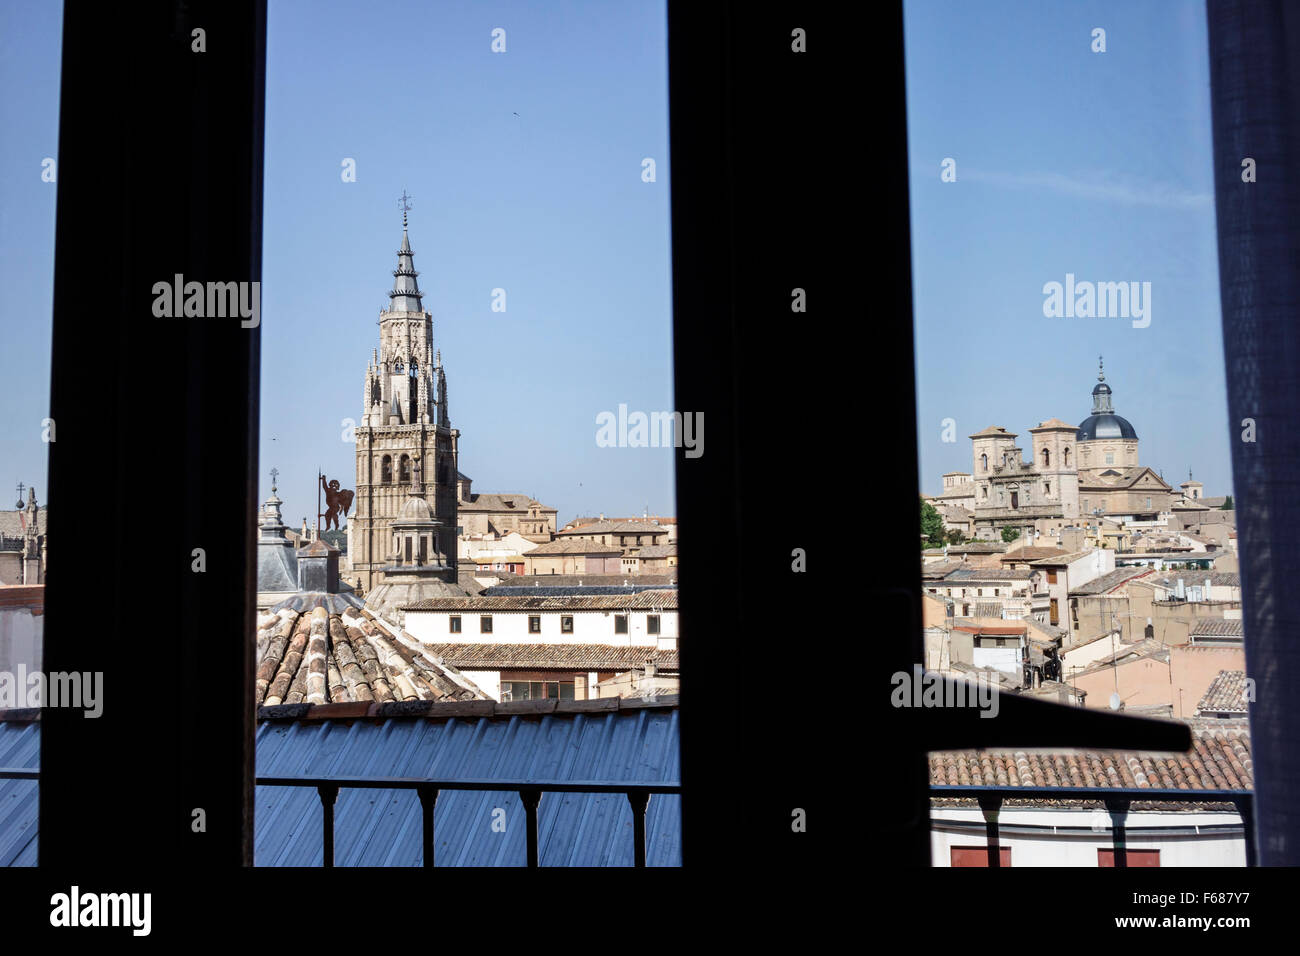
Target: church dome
point(1095, 427)
point(415, 509)
point(1103, 422)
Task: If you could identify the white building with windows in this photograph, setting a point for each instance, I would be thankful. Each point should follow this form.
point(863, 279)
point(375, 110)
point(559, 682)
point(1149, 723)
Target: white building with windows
point(555, 647)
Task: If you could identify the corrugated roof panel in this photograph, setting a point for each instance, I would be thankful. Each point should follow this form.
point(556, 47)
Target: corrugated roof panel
point(20, 746)
point(383, 827)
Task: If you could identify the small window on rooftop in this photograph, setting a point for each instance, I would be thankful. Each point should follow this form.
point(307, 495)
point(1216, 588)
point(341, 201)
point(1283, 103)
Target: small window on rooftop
point(485, 624)
point(566, 625)
point(534, 624)
point(453, 624)
point(620, 623)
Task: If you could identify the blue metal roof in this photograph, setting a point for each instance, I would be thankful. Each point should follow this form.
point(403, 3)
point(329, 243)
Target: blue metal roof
point(383, 827)
point(20, 747)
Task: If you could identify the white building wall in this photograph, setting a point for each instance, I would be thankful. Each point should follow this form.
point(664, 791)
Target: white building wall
point(21, 632)
point(1079, 847)
point(1091, 566)
point(511, 627)
point(1008, 660)
point(488, 681)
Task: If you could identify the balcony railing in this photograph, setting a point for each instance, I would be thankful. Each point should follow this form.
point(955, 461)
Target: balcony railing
point(530, 792)
point(1117, 802)
point(990, 799)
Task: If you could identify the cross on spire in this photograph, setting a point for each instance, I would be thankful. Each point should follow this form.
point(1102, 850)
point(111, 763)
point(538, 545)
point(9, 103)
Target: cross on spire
point(274, 473)
point(405, 204)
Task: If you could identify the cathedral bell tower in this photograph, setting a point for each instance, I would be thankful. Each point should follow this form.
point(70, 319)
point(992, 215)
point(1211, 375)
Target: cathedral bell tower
point(403, 420)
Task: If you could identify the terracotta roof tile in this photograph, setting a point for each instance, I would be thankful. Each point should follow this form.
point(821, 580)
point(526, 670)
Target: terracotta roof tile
point(1225, 695)
point(544, 656)
point(652, 599)
point(1219, 760)
point(323, 649)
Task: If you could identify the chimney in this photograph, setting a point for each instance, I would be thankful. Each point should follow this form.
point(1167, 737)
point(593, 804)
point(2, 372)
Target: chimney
point(318, 568)
point(648, 678)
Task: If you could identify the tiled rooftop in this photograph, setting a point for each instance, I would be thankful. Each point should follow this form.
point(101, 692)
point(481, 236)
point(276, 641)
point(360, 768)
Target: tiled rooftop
point(615, 527)
point(1220, 760)
point(1217, 627)
point(596, 657)
point(326, 648)
point(1111, 579)
point(652, 599)
point(572, 546)
point(1225, 695)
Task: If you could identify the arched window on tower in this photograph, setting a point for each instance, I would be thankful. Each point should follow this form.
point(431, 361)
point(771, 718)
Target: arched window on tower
point(984, 462)
point(386, 470)
point(404, 470)
point(1065, 456)
point(1047, 458)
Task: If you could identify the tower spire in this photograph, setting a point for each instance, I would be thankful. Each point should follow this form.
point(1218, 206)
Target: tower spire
point(405, 295)
point(1101, 371)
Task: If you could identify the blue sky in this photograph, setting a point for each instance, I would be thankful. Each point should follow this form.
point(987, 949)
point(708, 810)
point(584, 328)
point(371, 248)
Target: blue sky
point(30, 38)
point(1068, 161)
point(548, 205)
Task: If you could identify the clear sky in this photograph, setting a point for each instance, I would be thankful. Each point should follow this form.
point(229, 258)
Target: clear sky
point(1067, 161)
point(548, 204)
point(30, 39)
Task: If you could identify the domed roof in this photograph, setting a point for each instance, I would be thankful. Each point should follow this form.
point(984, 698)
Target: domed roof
point(1104, 426)
point(1103, 422)
point(415, 509)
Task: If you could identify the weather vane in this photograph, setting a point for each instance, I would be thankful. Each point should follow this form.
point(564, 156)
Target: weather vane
point(405, 204)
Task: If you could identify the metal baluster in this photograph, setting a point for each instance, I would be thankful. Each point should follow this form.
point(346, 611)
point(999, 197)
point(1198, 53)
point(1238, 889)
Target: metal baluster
point(639, 799)
point(991, 805)
point(428, 798)
point(328, 794)
point(531, 799)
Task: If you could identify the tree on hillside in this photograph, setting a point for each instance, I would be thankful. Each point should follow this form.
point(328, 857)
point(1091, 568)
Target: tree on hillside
point(931, 525)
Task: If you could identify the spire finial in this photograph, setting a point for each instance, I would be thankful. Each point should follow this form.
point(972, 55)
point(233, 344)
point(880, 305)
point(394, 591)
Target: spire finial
point(1101, 373)
point(405, 203)
point(274, 474)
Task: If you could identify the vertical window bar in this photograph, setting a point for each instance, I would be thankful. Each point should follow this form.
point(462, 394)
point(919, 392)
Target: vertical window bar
point(428, 798)
point(328, 794)
point(991, 806)
point(639, 799)
point(1118, 809)
point(531, 799)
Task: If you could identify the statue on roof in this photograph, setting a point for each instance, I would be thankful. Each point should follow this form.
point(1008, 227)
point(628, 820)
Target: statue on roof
point(337, 502)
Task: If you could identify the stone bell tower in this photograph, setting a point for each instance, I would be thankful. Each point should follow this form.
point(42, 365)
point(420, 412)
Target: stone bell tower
point(403, 419)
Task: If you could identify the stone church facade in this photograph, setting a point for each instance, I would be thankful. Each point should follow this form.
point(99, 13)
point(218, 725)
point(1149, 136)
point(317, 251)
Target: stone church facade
point(405, 435)
point(1073, 474)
